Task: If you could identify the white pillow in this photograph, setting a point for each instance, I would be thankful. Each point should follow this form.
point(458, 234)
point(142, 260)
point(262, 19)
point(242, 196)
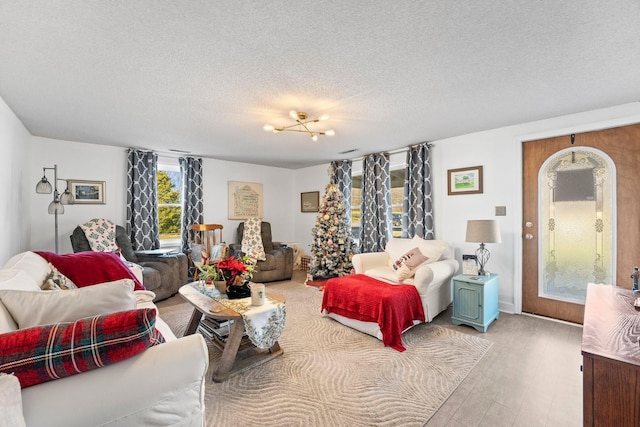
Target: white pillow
point(7, 324)
point(10, 402)
point(32, 264)
point(30, 309)
point(17, 280)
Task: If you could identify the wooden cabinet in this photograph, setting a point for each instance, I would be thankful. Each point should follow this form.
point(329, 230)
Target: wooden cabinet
point(611, 358)
point(475, 300)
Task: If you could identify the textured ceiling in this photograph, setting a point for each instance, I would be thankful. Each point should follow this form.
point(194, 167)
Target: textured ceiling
point(204, 76)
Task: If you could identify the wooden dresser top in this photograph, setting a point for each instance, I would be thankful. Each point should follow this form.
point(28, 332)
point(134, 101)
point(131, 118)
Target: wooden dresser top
point(611, 324)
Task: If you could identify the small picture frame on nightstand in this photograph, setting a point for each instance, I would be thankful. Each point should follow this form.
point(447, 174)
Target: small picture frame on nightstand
point(469, 265)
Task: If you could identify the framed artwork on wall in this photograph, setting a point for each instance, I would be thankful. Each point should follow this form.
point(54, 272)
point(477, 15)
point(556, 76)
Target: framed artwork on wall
point(310, 201)
point(244, 200)
point(88, 192)
point(465, 180)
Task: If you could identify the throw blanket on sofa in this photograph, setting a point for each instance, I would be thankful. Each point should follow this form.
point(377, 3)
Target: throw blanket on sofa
point(252, 239)
point(360, 297)
point(101, 234)
point(90, 268)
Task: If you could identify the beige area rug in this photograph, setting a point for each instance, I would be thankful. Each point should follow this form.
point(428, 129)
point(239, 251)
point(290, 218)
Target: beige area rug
point(331, 375)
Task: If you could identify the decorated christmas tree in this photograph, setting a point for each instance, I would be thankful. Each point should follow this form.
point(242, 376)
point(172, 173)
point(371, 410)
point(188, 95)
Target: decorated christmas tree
point(331, 247)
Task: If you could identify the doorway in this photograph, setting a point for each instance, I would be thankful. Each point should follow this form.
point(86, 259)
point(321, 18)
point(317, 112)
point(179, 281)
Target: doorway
point(581, 218)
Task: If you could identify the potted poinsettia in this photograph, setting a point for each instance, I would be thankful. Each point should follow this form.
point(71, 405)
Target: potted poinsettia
point(235, 269)
point(227, 272)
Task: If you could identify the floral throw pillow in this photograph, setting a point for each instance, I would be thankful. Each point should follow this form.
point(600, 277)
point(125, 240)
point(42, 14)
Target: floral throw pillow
point(252, 239)
point(406, 265)
point(101, 234)
point(57, 281)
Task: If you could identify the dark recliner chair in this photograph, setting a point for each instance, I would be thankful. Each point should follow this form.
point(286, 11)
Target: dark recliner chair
point(162, 274)
point(279, 262)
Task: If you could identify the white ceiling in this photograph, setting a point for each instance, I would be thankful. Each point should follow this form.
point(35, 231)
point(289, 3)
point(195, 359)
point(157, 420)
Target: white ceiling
point(205, 76)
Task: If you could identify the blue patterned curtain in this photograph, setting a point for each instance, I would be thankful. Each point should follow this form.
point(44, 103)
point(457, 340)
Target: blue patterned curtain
point(375, 222)
point(142, 199)
point(192, 199)
point(341, 177)
point(418, 201)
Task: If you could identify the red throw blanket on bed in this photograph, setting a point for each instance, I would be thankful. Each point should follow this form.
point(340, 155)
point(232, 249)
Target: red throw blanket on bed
point(360, 297)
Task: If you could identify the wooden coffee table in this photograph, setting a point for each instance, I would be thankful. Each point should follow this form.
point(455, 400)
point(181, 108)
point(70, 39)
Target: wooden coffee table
point(237, 354)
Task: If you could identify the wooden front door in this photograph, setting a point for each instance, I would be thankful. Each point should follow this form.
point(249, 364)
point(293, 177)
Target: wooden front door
point(622, 146)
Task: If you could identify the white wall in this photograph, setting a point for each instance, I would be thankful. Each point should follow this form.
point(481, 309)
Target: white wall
point(499, 152)
point(14, 226)
point(78, 160)
point(313, 178)
point(75, 160)
point(277, 185)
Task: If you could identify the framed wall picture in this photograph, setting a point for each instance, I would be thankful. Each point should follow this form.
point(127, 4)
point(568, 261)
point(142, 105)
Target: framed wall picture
point(465, 180)
point(88, 192)
point(310, 202)
point(244, 200)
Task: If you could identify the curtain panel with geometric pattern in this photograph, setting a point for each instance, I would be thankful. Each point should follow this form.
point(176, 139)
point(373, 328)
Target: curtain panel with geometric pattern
point(418, 202)
point(375, 220)
point(192, 199)
point(142, 199)
point(341, 177)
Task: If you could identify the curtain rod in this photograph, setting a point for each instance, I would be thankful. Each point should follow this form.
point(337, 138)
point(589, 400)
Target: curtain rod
point(399, 150)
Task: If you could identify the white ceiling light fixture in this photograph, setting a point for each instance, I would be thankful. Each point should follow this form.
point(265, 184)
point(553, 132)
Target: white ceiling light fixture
point(302, 120)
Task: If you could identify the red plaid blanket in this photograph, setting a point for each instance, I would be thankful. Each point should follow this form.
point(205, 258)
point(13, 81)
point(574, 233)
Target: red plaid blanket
point(360, 297)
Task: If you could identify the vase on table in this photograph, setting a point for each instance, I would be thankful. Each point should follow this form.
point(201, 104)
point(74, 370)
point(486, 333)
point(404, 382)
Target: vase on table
point(221, 286)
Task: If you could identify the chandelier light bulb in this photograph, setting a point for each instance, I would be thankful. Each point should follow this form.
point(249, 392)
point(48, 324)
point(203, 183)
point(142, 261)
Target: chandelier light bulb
point(268, 128)
point(325, 117)
point(330, 132)
point(293, 114)
point(314, 137)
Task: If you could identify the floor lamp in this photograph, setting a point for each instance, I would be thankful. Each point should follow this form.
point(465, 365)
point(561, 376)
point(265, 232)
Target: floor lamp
point(483, 231)
point(56, 207)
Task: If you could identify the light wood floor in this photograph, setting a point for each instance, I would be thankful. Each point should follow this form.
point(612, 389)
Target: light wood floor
point(529, 377)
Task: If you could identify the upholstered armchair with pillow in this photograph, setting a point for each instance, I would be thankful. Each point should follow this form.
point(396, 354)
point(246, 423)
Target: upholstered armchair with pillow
point(162, 274)
point(278, 264)
point(429, 268)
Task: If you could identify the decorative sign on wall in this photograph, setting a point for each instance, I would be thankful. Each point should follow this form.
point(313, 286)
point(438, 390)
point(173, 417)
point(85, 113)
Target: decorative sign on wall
point(310, 202)
point(245, 200)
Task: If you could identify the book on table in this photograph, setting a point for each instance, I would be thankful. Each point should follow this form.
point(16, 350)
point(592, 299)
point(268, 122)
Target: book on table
point(212, 328)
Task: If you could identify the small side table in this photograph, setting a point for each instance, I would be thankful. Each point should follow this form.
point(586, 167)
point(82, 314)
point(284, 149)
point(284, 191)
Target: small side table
point(475, 300)
point(236, 355)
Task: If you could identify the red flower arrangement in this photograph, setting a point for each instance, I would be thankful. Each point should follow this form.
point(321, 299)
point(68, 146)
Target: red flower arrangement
point(231, 268)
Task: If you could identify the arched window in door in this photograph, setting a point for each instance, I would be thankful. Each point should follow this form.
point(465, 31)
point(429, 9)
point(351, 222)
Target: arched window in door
point(577, 217)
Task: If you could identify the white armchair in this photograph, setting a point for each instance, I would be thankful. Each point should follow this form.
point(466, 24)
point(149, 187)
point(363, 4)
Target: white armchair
point(432, 279)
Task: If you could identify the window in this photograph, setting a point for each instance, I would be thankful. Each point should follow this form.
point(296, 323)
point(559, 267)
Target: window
point(169, 203)
point(397, 199)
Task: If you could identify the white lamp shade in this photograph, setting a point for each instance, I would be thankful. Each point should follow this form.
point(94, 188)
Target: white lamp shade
point(483, 231)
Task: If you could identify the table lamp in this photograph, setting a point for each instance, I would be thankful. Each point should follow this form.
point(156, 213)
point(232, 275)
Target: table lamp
point(483, 231)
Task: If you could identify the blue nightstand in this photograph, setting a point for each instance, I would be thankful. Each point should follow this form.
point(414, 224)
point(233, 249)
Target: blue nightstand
point(475, 300)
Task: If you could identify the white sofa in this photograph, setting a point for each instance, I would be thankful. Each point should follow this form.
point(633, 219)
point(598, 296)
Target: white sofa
point(432, 278)
point(161, 386)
